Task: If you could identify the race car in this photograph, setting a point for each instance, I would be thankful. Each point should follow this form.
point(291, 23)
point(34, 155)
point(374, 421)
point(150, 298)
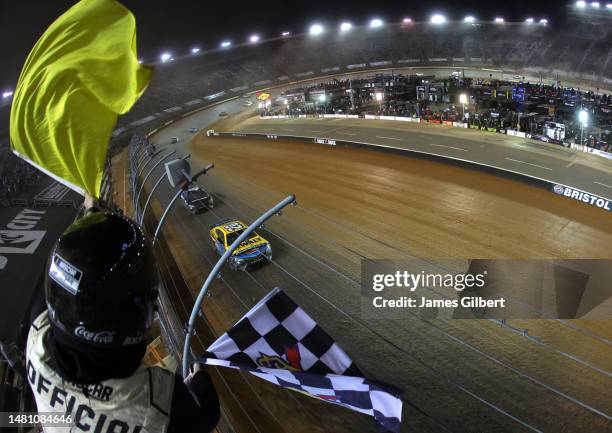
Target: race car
point(193, 130)
point(252, 252)
point(196, 200)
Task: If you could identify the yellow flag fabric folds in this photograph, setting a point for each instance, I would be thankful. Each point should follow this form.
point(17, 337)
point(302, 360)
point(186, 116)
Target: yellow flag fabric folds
point(79, 76)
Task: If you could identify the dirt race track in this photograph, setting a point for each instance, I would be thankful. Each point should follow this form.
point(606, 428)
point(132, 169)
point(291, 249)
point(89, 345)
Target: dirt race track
point(458, 375)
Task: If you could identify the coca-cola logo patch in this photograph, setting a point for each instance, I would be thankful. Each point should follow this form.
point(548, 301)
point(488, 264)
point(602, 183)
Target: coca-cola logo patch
point(102, 337)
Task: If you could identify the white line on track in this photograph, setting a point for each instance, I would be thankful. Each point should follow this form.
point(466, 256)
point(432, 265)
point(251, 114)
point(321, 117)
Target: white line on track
point(388, 138)
point(346, 133)
point(315, 130)
point(602, 184)
point(529, 163)
point(287, 129)
point(449, 147)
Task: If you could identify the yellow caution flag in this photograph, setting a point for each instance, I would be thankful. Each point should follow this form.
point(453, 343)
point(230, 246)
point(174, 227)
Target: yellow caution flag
point(81, 74)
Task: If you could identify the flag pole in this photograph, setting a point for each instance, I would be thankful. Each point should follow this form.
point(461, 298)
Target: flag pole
point(215, 270)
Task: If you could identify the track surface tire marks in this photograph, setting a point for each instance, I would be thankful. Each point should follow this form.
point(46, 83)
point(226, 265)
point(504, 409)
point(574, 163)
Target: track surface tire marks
point(357, 204)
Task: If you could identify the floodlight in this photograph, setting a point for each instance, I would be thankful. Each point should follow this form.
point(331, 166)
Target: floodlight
point(254, 38)
point(7, 94)
point(407, 20)
point(499, 20)
point(529, 20)
point(165, 57)
point(379, 96)
point(177, 171)
point(322, 97)
point(583, 117)
point(345, 27)
point(225, 44)
point(463, 98)
point(543, 21)
point(581, 4)
point(438, 19)
point(195, 50)
point(139, 60)
point(316, 29)
point(609, 6)
point(595, 4)
point(469, 19)
point(376, 22)
point(285, 33)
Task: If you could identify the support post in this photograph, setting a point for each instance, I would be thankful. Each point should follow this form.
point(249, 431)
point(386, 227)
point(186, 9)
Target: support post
point(144, 180)
point(150, 196)
point(183, 187)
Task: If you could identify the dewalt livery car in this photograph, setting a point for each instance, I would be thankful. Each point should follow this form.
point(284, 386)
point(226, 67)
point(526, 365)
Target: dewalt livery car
point(252, 252)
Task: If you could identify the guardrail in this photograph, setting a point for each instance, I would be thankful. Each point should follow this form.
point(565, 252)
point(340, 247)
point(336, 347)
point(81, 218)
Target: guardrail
point(557, 188)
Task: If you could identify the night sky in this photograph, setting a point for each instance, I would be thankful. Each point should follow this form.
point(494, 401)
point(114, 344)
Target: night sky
point(178, 25)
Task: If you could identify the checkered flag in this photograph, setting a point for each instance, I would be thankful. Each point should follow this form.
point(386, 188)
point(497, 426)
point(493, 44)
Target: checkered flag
point(278, 342)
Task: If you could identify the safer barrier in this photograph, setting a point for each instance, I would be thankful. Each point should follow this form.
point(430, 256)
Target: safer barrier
point(557, 188)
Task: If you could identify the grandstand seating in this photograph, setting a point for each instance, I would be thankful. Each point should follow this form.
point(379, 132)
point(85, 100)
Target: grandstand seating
point(581, 52)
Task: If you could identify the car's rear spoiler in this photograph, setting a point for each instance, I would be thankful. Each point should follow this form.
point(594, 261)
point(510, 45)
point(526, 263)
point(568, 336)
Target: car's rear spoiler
point(222, 221)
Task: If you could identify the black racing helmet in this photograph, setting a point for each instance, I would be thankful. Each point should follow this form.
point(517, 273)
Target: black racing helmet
point(101, 284)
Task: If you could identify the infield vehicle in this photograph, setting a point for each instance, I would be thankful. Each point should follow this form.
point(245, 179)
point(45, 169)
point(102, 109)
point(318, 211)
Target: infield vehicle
point(193, 130)
point(196, 200)
point(251, 253)
point(223, 114)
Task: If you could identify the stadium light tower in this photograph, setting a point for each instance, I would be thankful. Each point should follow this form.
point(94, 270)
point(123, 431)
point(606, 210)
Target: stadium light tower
point(581, 4)
point(438, 19)
point(225, 44)
point(316, 29)
point(195, 50)
point(345, 26)
point(375, 23)
point(583, 117)
point(165, 57)
point(254, 39)
point(469, 19)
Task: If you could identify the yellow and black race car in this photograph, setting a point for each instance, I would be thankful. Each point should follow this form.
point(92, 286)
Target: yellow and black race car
point(252, 252)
